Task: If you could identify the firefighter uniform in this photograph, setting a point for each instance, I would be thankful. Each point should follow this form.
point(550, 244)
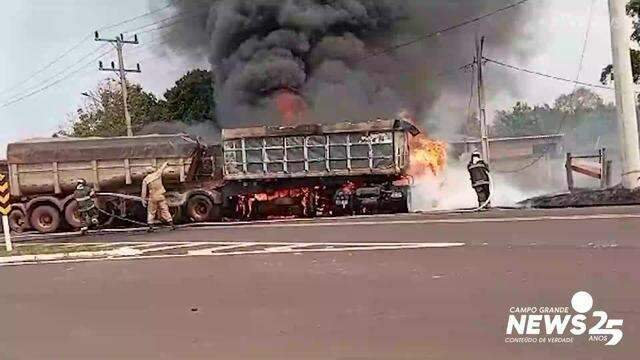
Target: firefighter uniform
point(480, 181)
point(153, 192)
point(86, 206)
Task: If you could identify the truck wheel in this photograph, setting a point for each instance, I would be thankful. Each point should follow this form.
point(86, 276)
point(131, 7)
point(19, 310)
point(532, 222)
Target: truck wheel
point(72, 215)
point(18, 221)
point(199, 208)
point(45, 219)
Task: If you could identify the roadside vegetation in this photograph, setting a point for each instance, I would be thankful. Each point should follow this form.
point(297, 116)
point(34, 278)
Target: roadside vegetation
point(189, 102)
point(43, 248)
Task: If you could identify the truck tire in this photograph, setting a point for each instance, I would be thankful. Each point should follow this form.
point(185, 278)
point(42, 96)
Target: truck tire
point(199, 208)
point(18, 221)
point(72, 215)
point(45, 219)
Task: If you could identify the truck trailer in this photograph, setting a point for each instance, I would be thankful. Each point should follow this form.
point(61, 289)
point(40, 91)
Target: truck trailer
point(258, 172)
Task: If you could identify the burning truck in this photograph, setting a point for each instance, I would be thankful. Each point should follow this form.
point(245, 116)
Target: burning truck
point(257, 172)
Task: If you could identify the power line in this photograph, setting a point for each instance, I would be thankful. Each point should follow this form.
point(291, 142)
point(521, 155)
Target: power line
point(454, 70)
point(47, 66)
point(183, 15)
point(181, 18)
point(57, 59)
point(41, 89)
point(441, 31)
point(126, 21)
point(50, 78)
point(471, 93)
point(572, 96)
point(397, 46)
point(554, 77)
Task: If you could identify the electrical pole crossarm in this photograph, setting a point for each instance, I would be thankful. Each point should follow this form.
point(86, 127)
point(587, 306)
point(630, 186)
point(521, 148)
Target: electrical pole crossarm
point(117, 39)
point(113, 68)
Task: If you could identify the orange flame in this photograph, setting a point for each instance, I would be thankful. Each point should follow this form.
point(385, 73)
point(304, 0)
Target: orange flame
point(290, 106)
point(428, 156)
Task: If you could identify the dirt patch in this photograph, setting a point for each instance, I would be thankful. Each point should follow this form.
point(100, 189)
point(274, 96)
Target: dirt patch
point(586, 198)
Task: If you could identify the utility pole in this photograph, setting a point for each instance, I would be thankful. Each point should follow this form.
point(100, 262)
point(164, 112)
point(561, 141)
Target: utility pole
point(625, 96)
point(119, 42)
point(482, 113)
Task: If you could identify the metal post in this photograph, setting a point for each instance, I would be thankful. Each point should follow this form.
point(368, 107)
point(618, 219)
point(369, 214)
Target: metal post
point(5, 210)
point(603, 169)
point(625, 97)
point(569, 170)
point(482, 114)
point(7, 233)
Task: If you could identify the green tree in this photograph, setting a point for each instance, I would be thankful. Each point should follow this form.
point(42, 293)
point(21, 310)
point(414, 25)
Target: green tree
point(582, 100)
point(583, 117)
point(521, 120)
point(103, 113)
point(191, 99)
point(569, 111)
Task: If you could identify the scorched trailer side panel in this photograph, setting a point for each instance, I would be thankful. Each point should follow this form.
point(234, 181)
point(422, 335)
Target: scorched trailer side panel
point(363, 149)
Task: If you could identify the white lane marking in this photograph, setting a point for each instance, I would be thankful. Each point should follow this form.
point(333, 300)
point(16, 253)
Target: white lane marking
point(18, 259)
point(289, 247)
point(294, 249)
point(97, 244)
point(429, 221)
point(210, 251)
point(143, 246)
point(127, 253)
point(171, 247)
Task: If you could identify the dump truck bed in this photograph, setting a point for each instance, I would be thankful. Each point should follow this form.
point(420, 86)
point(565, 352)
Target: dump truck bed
point(51, 166)
point(370, 148)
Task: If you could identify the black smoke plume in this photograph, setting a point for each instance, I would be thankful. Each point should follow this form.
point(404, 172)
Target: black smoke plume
point(320, 50)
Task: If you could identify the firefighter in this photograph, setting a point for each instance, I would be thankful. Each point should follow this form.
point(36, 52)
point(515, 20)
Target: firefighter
point(480, 181)
point(153, 193)
point(85, 195)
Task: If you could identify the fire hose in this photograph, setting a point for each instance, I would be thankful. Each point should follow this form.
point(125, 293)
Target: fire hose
point(126, 197)
point(122, 218)
point(488, 201)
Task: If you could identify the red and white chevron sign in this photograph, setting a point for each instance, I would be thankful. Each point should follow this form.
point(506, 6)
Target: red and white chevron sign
point(5, 202)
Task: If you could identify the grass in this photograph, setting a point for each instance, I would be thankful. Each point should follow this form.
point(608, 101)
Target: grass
point(41, 249)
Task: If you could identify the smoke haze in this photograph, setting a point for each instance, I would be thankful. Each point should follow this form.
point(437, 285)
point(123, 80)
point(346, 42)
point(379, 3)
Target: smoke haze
point(206, 132)
point(319, 50)
point(452, 190)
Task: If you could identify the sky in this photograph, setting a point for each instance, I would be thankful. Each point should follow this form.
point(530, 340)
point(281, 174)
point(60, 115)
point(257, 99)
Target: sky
point(36, 32)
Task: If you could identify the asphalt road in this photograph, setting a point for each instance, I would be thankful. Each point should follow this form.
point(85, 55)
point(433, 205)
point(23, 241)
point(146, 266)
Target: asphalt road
point(449, 303)
point(498, 227)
